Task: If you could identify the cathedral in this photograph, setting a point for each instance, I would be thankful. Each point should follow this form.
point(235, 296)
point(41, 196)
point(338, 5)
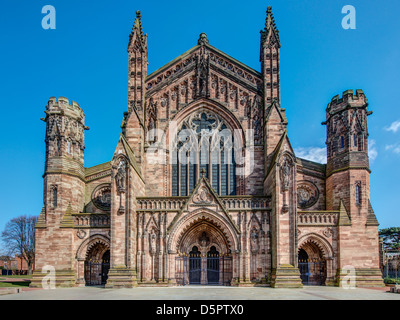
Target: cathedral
point(204, 187)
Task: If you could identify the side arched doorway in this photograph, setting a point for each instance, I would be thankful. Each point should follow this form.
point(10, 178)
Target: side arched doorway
point(97, 265)
point(312, 265)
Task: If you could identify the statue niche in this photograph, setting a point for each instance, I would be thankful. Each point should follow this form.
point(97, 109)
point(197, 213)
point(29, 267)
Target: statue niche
point(120, 182)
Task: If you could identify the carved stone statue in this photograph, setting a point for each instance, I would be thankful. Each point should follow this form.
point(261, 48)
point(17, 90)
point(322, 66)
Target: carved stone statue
point(285, 173)
point(120, 177)
point(254, 240)
point(204, 240)
point(153, 241)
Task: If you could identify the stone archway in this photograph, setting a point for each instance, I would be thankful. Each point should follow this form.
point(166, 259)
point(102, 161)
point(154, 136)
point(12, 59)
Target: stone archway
point(97, 264)
point(203, 253)
point(93, 259)
point(315, 257)
point(219, 224)
point(204, 234)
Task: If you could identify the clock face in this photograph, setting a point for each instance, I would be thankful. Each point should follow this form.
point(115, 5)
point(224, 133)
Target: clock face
point(101, 197)
point(307, 194)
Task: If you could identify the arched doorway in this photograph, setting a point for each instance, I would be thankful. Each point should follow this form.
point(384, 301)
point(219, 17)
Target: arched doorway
point(213, 266)
point(204, 256)
point(312, 265)
point(195, 266)
point(97, 265)
point(105, 267)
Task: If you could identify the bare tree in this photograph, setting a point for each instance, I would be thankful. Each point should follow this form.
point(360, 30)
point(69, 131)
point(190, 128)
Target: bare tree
point(19, 238)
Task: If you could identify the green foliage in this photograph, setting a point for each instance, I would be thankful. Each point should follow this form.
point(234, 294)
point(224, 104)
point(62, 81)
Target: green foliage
point(391, 238)
point(391, 280)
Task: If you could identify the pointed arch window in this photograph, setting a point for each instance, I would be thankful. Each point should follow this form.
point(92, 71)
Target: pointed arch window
point(358, 191)
point(204, 143)
point(69, 146)
point(341, 142)
point(54, 196)
point(57, 146)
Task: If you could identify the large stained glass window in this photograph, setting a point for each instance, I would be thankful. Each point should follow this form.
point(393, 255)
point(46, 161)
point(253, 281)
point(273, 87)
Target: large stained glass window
point(203, 145)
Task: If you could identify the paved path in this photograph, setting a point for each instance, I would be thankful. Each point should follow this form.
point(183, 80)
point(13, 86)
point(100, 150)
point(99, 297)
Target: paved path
point(205, 293)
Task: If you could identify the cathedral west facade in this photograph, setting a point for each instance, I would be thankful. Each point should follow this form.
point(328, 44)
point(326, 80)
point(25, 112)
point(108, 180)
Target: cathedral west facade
point(204, 186)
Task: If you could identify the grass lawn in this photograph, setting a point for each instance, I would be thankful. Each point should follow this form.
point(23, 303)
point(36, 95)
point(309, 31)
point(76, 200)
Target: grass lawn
point(14, 284)
point(16, 277)
point(19, 281)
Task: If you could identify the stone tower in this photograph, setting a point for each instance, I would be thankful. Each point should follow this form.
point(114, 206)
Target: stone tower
point(348, 187)
point(275, 116)
point(280, 163)
point(64, 186)
point(134, 119)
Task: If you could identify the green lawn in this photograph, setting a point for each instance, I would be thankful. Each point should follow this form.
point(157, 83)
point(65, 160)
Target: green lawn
point(16, 277)
point(14, 284)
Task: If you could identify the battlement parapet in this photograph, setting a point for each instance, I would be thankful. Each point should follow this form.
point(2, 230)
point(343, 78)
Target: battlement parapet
point(348, 99)
point(63, 106)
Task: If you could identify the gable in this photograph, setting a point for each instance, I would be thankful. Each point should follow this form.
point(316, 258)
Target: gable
point(220, 63)
point(203, 196)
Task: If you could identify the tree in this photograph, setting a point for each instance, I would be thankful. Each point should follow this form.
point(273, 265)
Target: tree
point(19, 238)
point(391, 238)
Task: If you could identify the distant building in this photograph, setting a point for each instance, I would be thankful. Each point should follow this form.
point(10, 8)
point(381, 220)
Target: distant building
point(15, 264)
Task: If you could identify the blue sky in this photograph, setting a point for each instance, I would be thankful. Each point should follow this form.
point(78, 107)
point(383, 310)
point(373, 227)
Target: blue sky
point(85, 60)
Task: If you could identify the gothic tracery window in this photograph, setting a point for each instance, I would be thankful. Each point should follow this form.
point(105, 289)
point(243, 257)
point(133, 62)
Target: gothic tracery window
point(204, 145)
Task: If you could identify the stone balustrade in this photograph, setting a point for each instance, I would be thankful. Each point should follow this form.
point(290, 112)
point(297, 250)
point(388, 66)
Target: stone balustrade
point(326, 218)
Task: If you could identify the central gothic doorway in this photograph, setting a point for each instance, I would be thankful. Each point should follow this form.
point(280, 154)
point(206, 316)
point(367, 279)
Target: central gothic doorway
point(203, 255)
point(213, 262)
point(208, 269)
point(195, 266)
point(197, 270)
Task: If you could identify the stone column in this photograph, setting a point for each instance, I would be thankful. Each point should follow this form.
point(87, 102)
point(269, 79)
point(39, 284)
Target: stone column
point(122, 272)
point(285, 273)
point(81, 272)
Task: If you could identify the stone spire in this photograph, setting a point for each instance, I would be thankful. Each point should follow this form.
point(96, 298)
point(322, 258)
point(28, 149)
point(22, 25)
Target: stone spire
point(138, 30)
point(270, 28)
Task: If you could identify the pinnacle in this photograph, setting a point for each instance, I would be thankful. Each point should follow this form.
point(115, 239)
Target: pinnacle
point(203, 39)
point(270, 21)
point(270, 27)
point(137, 28)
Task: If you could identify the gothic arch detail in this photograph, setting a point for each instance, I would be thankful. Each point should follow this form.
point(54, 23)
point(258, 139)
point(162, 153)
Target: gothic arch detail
point(318, 241)
point(91, 242)
point(206, 216)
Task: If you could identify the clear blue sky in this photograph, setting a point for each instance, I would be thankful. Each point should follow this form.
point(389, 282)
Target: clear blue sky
point(85, 60)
